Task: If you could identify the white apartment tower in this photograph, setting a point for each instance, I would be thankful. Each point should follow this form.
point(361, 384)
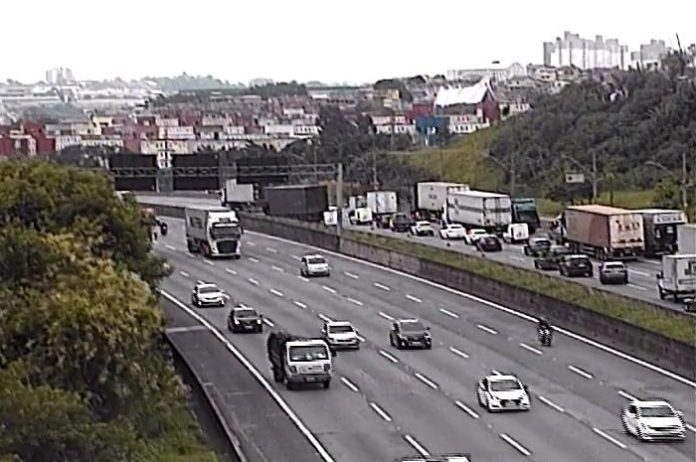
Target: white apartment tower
point(572, 50)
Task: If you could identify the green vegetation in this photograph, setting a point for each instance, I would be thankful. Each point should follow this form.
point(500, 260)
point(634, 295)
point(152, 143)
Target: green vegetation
point(84, 374)
point(631, 311)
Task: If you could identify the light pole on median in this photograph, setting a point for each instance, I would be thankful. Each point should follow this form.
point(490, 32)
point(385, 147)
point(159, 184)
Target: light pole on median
point(592, 173)
point(510, 170)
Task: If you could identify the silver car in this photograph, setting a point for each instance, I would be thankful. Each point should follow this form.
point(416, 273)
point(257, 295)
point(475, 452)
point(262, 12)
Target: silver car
point(314, 265)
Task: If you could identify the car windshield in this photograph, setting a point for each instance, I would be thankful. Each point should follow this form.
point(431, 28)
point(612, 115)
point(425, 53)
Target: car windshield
point(614, 266)
point(208, 290)
point(577, 260)
point(315, 260)
point(456, 227)
point(480, 232)
point(245, 313)
point(656, 411)
point(415, 326)
point(423, 223)
point(489, 240)
point(308, 353)
point(559, 250)
point(541, 242)
point(505, 385)
point(340, 329)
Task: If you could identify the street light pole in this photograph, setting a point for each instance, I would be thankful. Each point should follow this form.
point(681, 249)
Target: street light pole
point(685, 180)
point(339, 200)
point(594, 176)
point(513, 174)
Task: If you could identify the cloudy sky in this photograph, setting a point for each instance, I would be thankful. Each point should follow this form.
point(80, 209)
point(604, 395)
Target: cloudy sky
point(356, 41)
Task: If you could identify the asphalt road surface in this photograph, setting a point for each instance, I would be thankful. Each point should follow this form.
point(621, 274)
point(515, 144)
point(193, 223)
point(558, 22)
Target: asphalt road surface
point(385, 403)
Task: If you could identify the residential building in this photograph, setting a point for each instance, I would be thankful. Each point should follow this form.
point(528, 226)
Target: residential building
point(572, 50)
point(478, 99)
point(650, 55)
point(496, 73)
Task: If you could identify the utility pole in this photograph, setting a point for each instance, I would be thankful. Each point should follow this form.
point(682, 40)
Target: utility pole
point(339, 200)
point(684, 181)
point(513, 174)
point(594, 176)
point(375, 185)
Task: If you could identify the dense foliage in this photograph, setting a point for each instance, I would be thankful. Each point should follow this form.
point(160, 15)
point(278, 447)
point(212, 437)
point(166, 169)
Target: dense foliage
point(84, 374)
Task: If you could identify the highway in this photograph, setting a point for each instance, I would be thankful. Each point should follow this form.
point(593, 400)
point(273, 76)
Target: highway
point(642, 281)
point(385, 403)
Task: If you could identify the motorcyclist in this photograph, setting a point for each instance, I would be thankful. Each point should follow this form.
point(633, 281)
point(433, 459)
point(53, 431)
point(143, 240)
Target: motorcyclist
point(544, 330)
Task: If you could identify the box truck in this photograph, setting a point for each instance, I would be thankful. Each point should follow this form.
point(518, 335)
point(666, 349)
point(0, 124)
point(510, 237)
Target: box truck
point(238, 196)
point(297, 360)
point(382, 202)
point(431, 197)
point(677, 280)
point(213, 231)
point(686, 238)
point(524, 210)
point(479, 209)
point(606, 233)
point(660, 231)
point(300, 202)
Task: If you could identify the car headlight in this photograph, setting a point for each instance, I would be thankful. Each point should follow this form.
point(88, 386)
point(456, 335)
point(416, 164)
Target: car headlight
point(236, 321)
point(258, 321)
point(494, 399)
point(293, 369)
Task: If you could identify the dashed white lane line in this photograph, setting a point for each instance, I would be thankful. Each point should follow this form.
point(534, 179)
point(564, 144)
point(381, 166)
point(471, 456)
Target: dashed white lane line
point(329, 289)
point(449, 313)
point(414, 299)
point(251, 244)
point(691, 427)
point(271, 249)
point(426, 380)
point(515, 444)
point(268, 322)
point(494, 372)
point(487, 329)
point(515, 257)
point(253, 260)
point(170, 247)
point(466, 409)
point(381, 286)
point(277, 268)
point(276, 292)
point(351, 275)
point(626, 395)
point(354, 301)
point(639, 273)
point(208, 262)
point(380, 412)
point(416, 445)
point(324, 317)
point(200, 281)
point(386, 316)
point(350, 384)
point(360, 337)
point(550, 403)
point(532, 349)
point(580, 372)
point(458, 352)
point(635, 286)
point(388, 356)
point(295, 257)
point(190, 255)
point(302, 278)
point(300, 304)
point(184, 274)
point(609, 438)
point(231, 271)
point(253, 281)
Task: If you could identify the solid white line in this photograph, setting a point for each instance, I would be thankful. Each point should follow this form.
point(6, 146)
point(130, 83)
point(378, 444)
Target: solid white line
point(253, 260)
point(580, 372)
point(303, 278)
point(635, 286)
point(258, 376)
point(626, 395)
point(609, 438)
point(497, 306)
point(639, 273)
point(354, 301)
point(515, 444)
point(414, 299)
point(276, 292)
point(329, 289)
point(449, 313)
point(184, 274)
point(251, 244)
point(532, 349)
point(278, 268)
point(487, 329)
point(466, 409)
point(208, 262)
point(300, 304)
point(381, 413)
point(381, 286)
point(268, 322)
point(416, 445)
point(271, 249)
point(426, 380)
point(231, 271)
point(324, 317)
point(295, 257)
point(170, 247)
point(550, 403)
point(253, 281)
point(351, 275)
point(458, 352)
point(350, 384)
point(388, 356)
point(386, 316)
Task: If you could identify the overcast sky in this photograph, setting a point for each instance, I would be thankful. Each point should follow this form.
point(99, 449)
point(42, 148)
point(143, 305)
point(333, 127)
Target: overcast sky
point(332, 41)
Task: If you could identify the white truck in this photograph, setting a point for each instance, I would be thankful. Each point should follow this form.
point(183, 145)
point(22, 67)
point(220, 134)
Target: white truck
point(382, 202)
point(431, 197)
point(296, 360)
point(479, 209)
point(686, 239)
point(237, 196)
point(677, 280)
point(213, 231)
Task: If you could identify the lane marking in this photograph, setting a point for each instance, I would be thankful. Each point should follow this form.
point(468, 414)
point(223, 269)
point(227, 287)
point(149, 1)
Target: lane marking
point(532, 349)
point(416, 445)
point(295, 257)
point(300, 304)
point(360, 337)
point(414, 299)
point(466, 409)
point(449, 313)
point(190, 255)
point(690, 427)
point(380, 412)
point(350, 384)
point(328, 289)
point(268, 322)
point(580, 372)
point(253, 260)
point(176, 330)
point(386, 316)
point(426, 380)
point(497, 306)
point(278, 268)
point(459, 352)
point(626, 395)
point(200, 281)
point(639, 273)
point(351, 275)
point(550, 403)
point(253, 281)
point(635, 286)
point(324, 317)
point(515, 257)
point(303, 278)
point(609, 437)
point(276, 292)
point(184, 274)
point(208, 262)
point(170, 247)
point(515, 444)
point(258, 376)
point(494, 372)
point(354, 301)
point(381, 286)
point(271, 249)
point(231, 271)
point(388, 356)
point(487, 329)
point(251, 244)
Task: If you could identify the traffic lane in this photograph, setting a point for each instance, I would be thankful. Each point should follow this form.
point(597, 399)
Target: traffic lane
point(178, 201)
point(342, 423)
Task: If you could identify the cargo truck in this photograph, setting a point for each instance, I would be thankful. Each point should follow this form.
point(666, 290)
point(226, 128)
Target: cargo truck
point(300, 202)
point(524, 210)
point(606, 233)
point(384, 205)
point(660, 230)
point(431, 197)
point(677, 280)
point(479, 209)
point(686, 238)
point(296, 360)
point(238, 196)
point(213, 231)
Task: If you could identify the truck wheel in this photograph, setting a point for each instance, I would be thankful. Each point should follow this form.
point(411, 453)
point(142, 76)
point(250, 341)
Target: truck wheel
point(327, 383)
point(289, 385)
point(662, 294)
point(276, 376)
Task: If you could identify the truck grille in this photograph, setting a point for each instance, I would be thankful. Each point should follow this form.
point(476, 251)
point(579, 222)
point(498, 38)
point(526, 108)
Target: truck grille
point(227, 246)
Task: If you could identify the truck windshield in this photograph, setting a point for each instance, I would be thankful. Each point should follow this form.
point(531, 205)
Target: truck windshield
point(308, 353)
point(220, 231)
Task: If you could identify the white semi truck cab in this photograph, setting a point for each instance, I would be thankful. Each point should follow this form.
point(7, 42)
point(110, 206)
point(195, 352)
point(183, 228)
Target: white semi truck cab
point(213, 232)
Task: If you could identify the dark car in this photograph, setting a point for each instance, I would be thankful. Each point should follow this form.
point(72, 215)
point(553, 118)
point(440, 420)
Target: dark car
point(244, 319)
point(575, 265)
point(489, 243)
point(537, 246)
point(548, 261)
point(408, 333)
point(401, 223)
point(613, 272)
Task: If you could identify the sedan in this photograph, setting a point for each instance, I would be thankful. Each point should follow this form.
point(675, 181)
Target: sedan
point(489, 243)
point(422, 228)
point(474, 234)
point(205, 294)
point(453, 231)
point(613, 272)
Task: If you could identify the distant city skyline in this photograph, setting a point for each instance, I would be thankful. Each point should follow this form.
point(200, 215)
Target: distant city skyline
point(310, 41)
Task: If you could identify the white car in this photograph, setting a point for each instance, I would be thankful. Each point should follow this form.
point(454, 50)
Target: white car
point(503, 393)
point(207, 294)
point(422, 228)
point(453, 231)
point(474, 235)
point(340, 334)
point(314, 265)
point(653, 420)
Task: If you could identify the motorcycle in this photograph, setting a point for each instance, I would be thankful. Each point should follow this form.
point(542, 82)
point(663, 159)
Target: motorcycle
point(545, 336)
point(163, 229)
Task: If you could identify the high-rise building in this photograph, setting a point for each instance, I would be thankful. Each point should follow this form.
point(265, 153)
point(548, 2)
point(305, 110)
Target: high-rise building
point(60, 76)
point(572, 50)
point(650, 54)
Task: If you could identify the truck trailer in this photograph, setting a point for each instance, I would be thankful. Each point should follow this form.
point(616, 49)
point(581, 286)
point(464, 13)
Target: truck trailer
point(686, 238)
point(238, 196)
point(300, 202)
point(382, 202)
point(297, 360)
point(606, 233)
point(213, 231)
point(660, 231)
point(677, 280)
point(479, 209)
point(431, 197)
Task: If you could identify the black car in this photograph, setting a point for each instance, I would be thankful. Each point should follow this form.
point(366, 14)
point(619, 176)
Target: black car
point(401, 223)
point(575, 265)
point(410, 332)
point(536, 246)
point(613, 272)
point(244, 319)
point(489, 243)
point(549, 260)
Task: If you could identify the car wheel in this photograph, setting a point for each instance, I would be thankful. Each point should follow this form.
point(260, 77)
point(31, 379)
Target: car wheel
point(536, 265)
point(229, 326)
point(478, 398)
point(428, 346)
point(259, 329)
point(391, 341)
point(399, 344)
point(526, 252)
point(327, 383)
point(626, 280)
